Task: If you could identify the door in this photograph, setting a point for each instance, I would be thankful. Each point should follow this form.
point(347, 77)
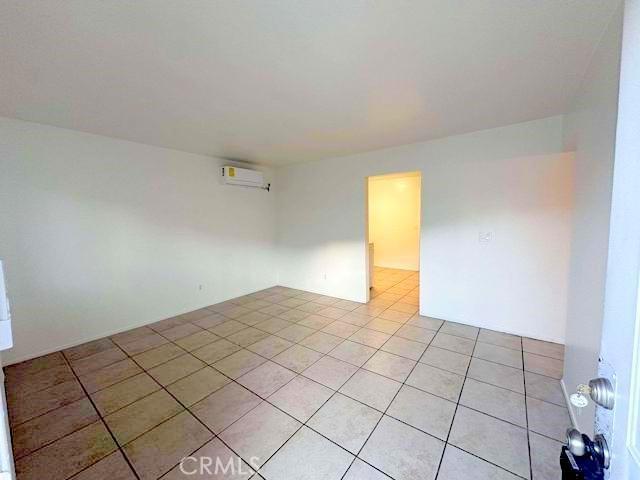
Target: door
point(620, 348)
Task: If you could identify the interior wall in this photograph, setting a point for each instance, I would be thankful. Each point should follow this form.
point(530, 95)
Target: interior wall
point(590, 129)
point(101, 235)
point(512, 182)
point(394, 221)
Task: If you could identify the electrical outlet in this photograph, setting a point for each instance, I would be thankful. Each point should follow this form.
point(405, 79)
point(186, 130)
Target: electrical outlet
point(485, 237)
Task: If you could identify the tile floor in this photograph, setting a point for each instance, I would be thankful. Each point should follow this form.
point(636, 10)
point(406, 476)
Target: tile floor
point(299, 386)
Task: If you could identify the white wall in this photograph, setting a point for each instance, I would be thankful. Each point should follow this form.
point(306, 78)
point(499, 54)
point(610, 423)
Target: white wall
point(590, 130)
point(511, 181)
point(394, 220)
point(100, 235)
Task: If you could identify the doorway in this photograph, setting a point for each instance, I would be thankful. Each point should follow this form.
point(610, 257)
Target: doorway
point(393, 237)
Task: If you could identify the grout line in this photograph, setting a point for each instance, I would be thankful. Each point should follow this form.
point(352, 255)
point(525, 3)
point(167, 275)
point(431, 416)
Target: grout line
point(526, 415)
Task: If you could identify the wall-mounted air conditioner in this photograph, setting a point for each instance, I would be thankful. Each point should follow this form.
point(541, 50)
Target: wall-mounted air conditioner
point(244, 177)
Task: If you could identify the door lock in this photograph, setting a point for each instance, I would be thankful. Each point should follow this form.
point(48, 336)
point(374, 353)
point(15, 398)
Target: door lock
point(599, 389)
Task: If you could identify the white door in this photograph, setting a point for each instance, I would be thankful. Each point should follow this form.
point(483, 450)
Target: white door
point(620, 348)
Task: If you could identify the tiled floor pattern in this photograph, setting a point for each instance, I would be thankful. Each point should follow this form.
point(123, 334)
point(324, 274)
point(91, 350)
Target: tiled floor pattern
point(302, 386)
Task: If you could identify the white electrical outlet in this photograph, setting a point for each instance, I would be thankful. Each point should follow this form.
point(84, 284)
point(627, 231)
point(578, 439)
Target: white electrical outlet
point(485, 237)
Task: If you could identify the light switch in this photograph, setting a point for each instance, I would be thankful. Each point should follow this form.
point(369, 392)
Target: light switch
point(485, 237)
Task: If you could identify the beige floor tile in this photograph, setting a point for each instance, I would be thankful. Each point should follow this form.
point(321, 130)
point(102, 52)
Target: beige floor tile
point(353, 353)
point(460, 330)
point(425, 322)
point(210, 321)
point(274, 310)
point(497, 354)
point(357, 319)
point(370, 338)
point(416, 334)
point(446, 360)
point(496, 441)
point(310, 307)
point(133, 420)
point(384, 326)
point(544, 388)
point(495, 401)
point(97, 361)
point(301, 397)
point(253, 318)
point(67, 456)
point(294, 315)
point(453, 343)
point(216, 351)
point(122, 394)
point(180, 331)
point(197, 340)
point(40, 431)
point(295, 332)
point(423, 411)
point(404, 347)
point(273, 325)
point(143, 344)
point(113, 467)
point(547, 366)
point(259, 433)
point(439, 382)
point(159, 450)
point(496, 374)
point(544, 457)
point(297, 358)
point(87, 349)
point(266, 379)
point(239, 363)
point(247, 336)
point(459, 465)
point(400, 306)
point(390, 365)
point(345, 421)
point(198, 385)
point(548, 419)
point(395, 315)
point(332, 312)
point(270, 346)
point(340, 329)
point(22, 409)
point(330, 372)
point(225, 406)
point(156, 356)
point(107, 376)
point(34, 382)
point(321, 342)
point(546, 349)
point(176, 369)
point(371, 389)
point(392, 448)
point(293, 461)
point(502, 339)
point(228, 328)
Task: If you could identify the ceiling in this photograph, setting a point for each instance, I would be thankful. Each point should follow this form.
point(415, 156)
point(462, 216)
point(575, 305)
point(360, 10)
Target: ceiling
point(282, 81)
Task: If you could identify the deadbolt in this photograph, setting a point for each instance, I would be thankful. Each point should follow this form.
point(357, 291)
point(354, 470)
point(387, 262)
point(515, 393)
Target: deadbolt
point(602, 393)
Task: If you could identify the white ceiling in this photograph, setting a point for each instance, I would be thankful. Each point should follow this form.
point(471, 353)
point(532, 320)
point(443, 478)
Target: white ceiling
point(280, 81)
